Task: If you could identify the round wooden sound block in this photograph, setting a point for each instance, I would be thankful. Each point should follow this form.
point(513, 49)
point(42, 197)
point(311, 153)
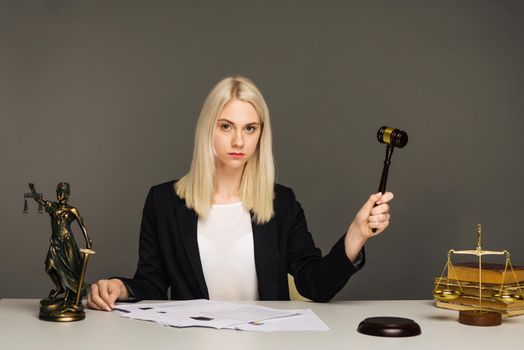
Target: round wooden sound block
point(389, 327)
point(480, 318)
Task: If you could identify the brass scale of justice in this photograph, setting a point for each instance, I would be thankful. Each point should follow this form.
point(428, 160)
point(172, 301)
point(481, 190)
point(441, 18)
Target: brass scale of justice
point(479, 317)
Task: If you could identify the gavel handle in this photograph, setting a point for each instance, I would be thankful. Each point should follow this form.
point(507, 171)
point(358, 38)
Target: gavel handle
point(384, 177)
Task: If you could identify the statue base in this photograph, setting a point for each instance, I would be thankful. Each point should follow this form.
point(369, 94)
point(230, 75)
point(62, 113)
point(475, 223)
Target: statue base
point(480, 318)
point(60, 310)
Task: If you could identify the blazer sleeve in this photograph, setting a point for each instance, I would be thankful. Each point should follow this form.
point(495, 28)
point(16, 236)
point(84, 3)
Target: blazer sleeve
point(150, 280)
point(317, 278)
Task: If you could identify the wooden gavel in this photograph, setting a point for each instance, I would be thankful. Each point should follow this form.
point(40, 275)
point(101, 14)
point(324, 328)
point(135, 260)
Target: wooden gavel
point(392, 138)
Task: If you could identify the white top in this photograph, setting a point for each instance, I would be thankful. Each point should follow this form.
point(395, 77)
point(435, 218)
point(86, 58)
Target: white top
point(225, 241)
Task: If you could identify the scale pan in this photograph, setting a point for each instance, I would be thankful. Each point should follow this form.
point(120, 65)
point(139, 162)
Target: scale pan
point(508, 297)
point(446, 294)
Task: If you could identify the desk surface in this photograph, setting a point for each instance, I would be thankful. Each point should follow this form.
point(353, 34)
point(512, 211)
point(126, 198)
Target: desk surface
point(20, 328)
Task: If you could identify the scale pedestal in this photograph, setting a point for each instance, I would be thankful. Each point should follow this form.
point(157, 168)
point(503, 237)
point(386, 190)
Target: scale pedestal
point(480, 318)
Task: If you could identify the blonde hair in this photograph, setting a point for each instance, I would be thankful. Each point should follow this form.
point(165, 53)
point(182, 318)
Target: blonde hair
point(258, 178)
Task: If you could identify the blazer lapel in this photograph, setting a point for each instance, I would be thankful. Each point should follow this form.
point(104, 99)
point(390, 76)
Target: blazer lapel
point(187, 225)
point(266, 242)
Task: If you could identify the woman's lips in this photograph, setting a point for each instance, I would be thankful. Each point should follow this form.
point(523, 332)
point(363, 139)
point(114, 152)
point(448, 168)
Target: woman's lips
point(236, 155)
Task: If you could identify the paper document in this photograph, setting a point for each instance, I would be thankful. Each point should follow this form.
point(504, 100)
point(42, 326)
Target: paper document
point(216, 314)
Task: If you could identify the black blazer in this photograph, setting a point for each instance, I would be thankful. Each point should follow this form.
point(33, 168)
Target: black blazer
point(169, 254)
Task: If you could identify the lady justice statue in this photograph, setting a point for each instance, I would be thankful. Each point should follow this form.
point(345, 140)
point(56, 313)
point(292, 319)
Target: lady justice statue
point(63, 263)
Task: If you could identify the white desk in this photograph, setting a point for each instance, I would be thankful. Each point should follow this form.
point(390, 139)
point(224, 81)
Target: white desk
point(21, 329)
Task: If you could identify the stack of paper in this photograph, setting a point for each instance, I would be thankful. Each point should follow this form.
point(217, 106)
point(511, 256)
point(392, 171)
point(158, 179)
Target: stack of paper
point(223, 315)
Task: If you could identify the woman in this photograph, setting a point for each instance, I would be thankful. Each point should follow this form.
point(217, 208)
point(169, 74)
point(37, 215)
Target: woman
point(226, 231)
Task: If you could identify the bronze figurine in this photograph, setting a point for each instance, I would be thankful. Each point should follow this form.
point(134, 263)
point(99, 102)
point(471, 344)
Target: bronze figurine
point(63, 263)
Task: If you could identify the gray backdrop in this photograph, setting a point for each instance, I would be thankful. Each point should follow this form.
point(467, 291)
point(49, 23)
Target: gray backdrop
point(105, 95)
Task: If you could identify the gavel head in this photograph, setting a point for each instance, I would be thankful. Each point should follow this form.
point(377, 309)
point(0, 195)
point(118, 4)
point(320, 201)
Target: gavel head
point(393, 137)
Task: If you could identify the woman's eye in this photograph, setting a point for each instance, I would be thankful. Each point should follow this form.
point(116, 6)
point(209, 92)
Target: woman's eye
point(225, 126)
point(251, 129)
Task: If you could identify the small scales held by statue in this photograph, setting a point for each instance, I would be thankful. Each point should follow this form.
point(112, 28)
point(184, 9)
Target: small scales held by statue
point(65, 263)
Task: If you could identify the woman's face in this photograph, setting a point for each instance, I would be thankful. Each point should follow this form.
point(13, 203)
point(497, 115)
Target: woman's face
point(236, 134)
